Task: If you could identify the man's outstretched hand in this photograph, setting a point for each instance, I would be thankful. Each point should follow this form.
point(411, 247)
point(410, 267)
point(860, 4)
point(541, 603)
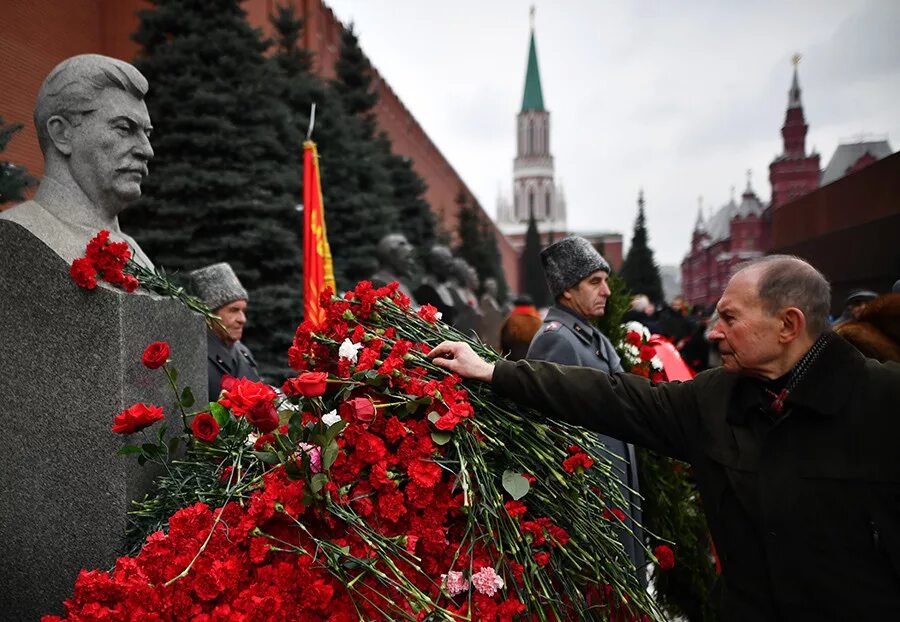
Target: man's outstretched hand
point(459, 358)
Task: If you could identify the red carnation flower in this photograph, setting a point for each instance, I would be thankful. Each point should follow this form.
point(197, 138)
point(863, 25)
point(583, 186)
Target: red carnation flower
point(263, 415)
point(309, 384)
point(428, 313)
point(664, 557)
point(263, 441)
point(542, 558)
point(156, 355)
point(634, 338)
point(84, 273)
point(205, 427)
point(515, 508)
point(357, 409)
point(647, 353)
point(613, 513)
point(577, 461)
point(136, 418)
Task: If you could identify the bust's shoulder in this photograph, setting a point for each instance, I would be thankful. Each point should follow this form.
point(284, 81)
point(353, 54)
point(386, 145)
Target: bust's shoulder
point(27, 214)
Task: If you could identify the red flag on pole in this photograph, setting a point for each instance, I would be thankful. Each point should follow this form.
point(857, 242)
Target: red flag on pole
point(318, 269)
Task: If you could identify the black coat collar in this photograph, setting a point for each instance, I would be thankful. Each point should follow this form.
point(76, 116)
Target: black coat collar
point(823, 392)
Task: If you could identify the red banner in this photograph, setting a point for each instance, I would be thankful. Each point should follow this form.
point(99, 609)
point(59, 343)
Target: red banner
point(318, 269)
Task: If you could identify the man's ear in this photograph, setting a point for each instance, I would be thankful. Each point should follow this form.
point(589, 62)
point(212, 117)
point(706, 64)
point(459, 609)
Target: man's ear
point(60, 131)
point(793, 325)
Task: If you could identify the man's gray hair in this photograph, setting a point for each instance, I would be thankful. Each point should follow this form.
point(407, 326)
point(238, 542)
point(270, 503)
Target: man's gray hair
point(788, 281)
point(74, 85)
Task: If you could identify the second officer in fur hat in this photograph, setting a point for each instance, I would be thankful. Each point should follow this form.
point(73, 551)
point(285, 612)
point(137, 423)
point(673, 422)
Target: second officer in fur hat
point(221, 290)
point(577, 277)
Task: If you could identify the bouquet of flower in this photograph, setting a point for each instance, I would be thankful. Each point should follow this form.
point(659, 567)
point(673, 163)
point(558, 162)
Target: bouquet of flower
point(373, 486)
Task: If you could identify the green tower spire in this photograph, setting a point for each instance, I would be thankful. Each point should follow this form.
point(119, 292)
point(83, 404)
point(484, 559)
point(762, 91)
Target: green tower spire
point(533, 98)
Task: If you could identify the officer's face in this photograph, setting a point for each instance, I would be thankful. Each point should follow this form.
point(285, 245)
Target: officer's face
point(234, 316)
point(111, 149)
point(747, 335)
point(588, 298)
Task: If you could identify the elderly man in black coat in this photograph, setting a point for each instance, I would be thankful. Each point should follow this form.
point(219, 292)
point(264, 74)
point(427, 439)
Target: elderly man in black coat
point(793, 441)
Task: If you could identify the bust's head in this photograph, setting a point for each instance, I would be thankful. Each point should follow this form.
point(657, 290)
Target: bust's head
point(440, 261)
point(395, 253)
point(490, 287)
point(93, 128)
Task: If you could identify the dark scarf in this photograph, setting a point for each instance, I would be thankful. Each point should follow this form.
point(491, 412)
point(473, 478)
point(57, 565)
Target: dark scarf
point(777, 391)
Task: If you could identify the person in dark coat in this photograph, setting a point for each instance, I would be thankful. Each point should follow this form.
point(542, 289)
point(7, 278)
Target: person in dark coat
point(577, 277)
point(218, 286)
point(793, 442)
point(876, 331)
point(519, 329)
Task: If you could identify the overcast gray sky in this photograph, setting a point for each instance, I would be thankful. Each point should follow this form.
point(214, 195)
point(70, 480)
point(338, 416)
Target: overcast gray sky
point(677, 97)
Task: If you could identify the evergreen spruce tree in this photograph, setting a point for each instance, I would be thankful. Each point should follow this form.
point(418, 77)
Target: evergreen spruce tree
point(414, 217)
point(532, 270)
point(359, 203)
point(14, 180)
point(224, 178)
point(639, 270)
point(478, 244)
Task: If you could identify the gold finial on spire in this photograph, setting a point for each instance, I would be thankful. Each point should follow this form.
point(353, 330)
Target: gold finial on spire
point(749, 177)
point(796, 59)
point(700, 202)
point(531, 17)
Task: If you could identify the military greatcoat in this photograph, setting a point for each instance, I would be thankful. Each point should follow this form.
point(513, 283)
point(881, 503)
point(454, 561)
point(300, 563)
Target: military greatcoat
point(568, 339)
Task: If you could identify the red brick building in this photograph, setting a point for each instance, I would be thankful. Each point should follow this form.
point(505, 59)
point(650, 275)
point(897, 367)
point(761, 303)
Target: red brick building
point(740, 231)
point(37, 34)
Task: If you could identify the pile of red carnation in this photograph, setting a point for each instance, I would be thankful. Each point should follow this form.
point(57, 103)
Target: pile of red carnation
point(375, 497)
point(104, 259)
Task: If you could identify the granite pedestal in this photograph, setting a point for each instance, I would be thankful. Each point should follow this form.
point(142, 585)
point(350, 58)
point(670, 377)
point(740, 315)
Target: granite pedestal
point(70, 360)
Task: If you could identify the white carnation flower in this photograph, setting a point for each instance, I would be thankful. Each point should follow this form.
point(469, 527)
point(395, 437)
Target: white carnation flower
point(656, 363)
point(349, 350)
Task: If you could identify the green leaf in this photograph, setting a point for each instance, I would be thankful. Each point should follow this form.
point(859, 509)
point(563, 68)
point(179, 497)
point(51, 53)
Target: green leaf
point(127, 450)
point(187, 398)
point(330, 455)
point(433, 417)
point(174, 442)
point(267, 457)
point(516, 485)
point(332, 432)
point(318, 481)
point(293, 471)
point(172, 373)
point(440, 437)
point(220, 413)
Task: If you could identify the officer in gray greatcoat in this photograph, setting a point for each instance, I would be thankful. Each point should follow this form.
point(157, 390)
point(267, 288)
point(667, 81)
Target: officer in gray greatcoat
point(577, 277)
point(219, 287)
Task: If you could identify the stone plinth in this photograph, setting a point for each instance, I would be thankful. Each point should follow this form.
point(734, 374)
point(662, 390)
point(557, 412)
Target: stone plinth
point(69, 362)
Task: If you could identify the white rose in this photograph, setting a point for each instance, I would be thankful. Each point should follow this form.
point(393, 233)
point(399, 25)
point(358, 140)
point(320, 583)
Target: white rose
point(331, 418)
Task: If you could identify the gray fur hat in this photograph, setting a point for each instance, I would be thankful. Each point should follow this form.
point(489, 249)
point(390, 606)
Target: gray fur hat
point(569, 261)
point(217, 285)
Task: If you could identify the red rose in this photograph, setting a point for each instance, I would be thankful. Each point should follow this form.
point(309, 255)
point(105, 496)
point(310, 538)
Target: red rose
point(84, 273)
point(205, 427)
point(136, 418)
point(243, 394)
point(357, 409)
point(309, 384)
point(156, 355)
point(263, 415)
point(664, 557)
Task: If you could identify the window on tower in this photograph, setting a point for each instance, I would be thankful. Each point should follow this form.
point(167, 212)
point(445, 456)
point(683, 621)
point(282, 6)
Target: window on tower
point(548, 205)
point(531, 137)
point(531, 204)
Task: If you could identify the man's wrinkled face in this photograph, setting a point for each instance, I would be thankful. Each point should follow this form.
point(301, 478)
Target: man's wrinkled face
point(746, 334)
point(234, 316)
point(111, 149)
point(588, 298)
